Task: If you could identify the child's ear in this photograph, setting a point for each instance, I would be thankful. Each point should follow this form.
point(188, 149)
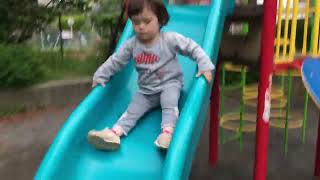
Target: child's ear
point(162, 23)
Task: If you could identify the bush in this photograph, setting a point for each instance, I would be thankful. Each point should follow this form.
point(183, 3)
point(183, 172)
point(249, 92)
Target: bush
point(19, 66)
point(68, 67)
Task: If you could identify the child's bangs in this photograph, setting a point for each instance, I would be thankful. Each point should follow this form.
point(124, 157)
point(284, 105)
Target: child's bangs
point(135, 7)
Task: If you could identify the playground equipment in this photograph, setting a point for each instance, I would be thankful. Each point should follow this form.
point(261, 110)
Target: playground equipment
point(71, 157)
point(281, 56)
point(311, 78)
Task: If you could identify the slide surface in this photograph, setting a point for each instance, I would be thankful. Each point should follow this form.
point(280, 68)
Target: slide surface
point(71, 157)
point(310, 72)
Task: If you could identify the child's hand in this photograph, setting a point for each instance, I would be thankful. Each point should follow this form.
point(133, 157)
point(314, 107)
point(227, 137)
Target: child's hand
point(95, 83)
point(206, 74)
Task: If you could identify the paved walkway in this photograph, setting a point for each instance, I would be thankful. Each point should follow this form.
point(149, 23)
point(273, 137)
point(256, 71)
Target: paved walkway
point(25, 139)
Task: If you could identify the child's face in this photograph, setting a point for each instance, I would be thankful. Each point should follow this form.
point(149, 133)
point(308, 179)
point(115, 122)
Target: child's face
point(146, 25)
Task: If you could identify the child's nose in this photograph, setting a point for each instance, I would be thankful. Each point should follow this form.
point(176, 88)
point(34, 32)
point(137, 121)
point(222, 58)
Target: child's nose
point(141, 26)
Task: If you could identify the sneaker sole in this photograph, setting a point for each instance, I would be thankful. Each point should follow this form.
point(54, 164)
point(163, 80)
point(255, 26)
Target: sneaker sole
point(101, 144)
point(160, 146)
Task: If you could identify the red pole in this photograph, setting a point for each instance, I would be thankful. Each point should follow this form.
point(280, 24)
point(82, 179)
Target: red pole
point(265, 83)
point(214, 119)
point(317, 160)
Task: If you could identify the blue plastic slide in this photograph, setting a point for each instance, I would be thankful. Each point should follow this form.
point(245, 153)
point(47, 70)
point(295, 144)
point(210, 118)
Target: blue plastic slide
point(311, 78)
point(70, 156)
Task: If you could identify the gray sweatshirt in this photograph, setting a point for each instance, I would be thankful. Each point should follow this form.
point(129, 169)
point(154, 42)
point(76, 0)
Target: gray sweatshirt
point(158, 65)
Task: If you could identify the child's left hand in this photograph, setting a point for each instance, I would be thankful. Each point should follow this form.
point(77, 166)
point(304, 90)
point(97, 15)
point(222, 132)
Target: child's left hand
point(206, 74)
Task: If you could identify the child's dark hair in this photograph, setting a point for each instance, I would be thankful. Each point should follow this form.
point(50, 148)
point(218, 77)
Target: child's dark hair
point(135, 7)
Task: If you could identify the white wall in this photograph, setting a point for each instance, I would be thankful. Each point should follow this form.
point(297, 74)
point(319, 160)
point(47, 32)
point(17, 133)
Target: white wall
point(43, 2)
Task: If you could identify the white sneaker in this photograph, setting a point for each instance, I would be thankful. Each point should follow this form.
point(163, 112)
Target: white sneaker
point(106, 139)
point(164, 139)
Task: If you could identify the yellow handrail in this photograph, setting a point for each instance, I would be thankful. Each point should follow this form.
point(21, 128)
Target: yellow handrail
point(278, 40)
point(293, 34)
point(316, 29)
point(286, 29)
point(285, 43)
point(305, 29)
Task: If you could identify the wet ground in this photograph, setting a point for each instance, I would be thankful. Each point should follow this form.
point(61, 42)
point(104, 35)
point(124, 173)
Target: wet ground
point(26, 137)
point(234, 163)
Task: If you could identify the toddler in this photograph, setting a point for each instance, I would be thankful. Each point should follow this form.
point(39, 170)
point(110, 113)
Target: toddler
point(159, 74)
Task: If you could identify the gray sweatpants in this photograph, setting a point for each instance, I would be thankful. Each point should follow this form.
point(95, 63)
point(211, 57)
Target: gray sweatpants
point(141, 103)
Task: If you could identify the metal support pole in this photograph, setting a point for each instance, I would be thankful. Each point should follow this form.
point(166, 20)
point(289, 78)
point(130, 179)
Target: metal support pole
point(317, 160)
point(214, 119)
point(265, 83)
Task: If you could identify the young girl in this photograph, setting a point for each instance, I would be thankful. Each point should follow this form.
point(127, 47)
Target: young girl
point(159, 75)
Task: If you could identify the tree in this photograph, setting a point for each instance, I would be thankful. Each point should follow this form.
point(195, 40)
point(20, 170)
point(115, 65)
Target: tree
point(19, 19)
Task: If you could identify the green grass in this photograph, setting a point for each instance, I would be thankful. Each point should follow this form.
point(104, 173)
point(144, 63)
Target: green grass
point(58, 68)
point(23, 66)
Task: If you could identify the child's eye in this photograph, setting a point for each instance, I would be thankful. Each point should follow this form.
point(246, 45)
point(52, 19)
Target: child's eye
point(135, 22)
point(147, 20)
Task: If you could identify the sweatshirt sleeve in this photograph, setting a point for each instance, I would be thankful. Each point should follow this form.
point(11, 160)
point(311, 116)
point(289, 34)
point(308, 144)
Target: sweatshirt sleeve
point(114, 63)
point(187, 47)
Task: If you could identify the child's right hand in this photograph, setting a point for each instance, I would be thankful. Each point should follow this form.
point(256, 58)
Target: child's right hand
point(95, 83)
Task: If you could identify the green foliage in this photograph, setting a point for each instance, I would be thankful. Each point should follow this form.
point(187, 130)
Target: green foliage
point(19, 67)
point(105, 21)
point(69, 6)
point(106, 18)
point(20, 18)
point(79, 21)
point(105, 25)
point(56, 68)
